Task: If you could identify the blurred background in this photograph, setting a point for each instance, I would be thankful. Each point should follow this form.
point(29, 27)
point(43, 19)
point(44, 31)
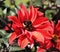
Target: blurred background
point(50, 8)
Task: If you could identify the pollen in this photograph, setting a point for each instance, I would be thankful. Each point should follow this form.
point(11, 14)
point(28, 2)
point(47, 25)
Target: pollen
point(27, 25)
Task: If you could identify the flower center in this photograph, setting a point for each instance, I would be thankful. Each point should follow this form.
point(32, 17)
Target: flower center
point(27, 25)
point(55, 39)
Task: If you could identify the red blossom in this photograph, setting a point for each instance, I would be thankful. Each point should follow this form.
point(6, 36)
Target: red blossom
point(57, 34)
point(57, 28)
point(30, 26)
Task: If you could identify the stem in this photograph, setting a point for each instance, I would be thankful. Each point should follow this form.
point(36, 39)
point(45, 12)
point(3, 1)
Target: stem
point(35, 48)
point(27, 49)
point(35, 45)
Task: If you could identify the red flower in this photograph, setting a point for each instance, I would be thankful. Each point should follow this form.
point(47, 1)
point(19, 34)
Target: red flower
point(30, 26)
point(57, 28)
point(46, 46)
point(58, 43)
point(57, 35)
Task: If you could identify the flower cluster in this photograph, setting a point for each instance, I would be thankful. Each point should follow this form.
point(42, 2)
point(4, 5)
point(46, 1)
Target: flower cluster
point(32, 26)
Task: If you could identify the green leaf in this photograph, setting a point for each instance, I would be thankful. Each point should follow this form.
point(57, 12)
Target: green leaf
point(15, 48)
point(17, 2)
point(37, 3)
point(48, 13)
point(58, 2)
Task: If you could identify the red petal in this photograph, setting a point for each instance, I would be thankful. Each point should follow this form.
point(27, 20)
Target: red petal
point(58, 44)
point(48, 44)
point(58, 26)
point(12, 38)
point(32, 13)
point(23, 41)
point(40, 14)
point(29, 37)
point(21, 15)
point(15, 20)
point(25, 11)
point(43, 25)
point(16, 29)
point(39, 21)
point(38, 36)
point(45, 33)
point(46, 27)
